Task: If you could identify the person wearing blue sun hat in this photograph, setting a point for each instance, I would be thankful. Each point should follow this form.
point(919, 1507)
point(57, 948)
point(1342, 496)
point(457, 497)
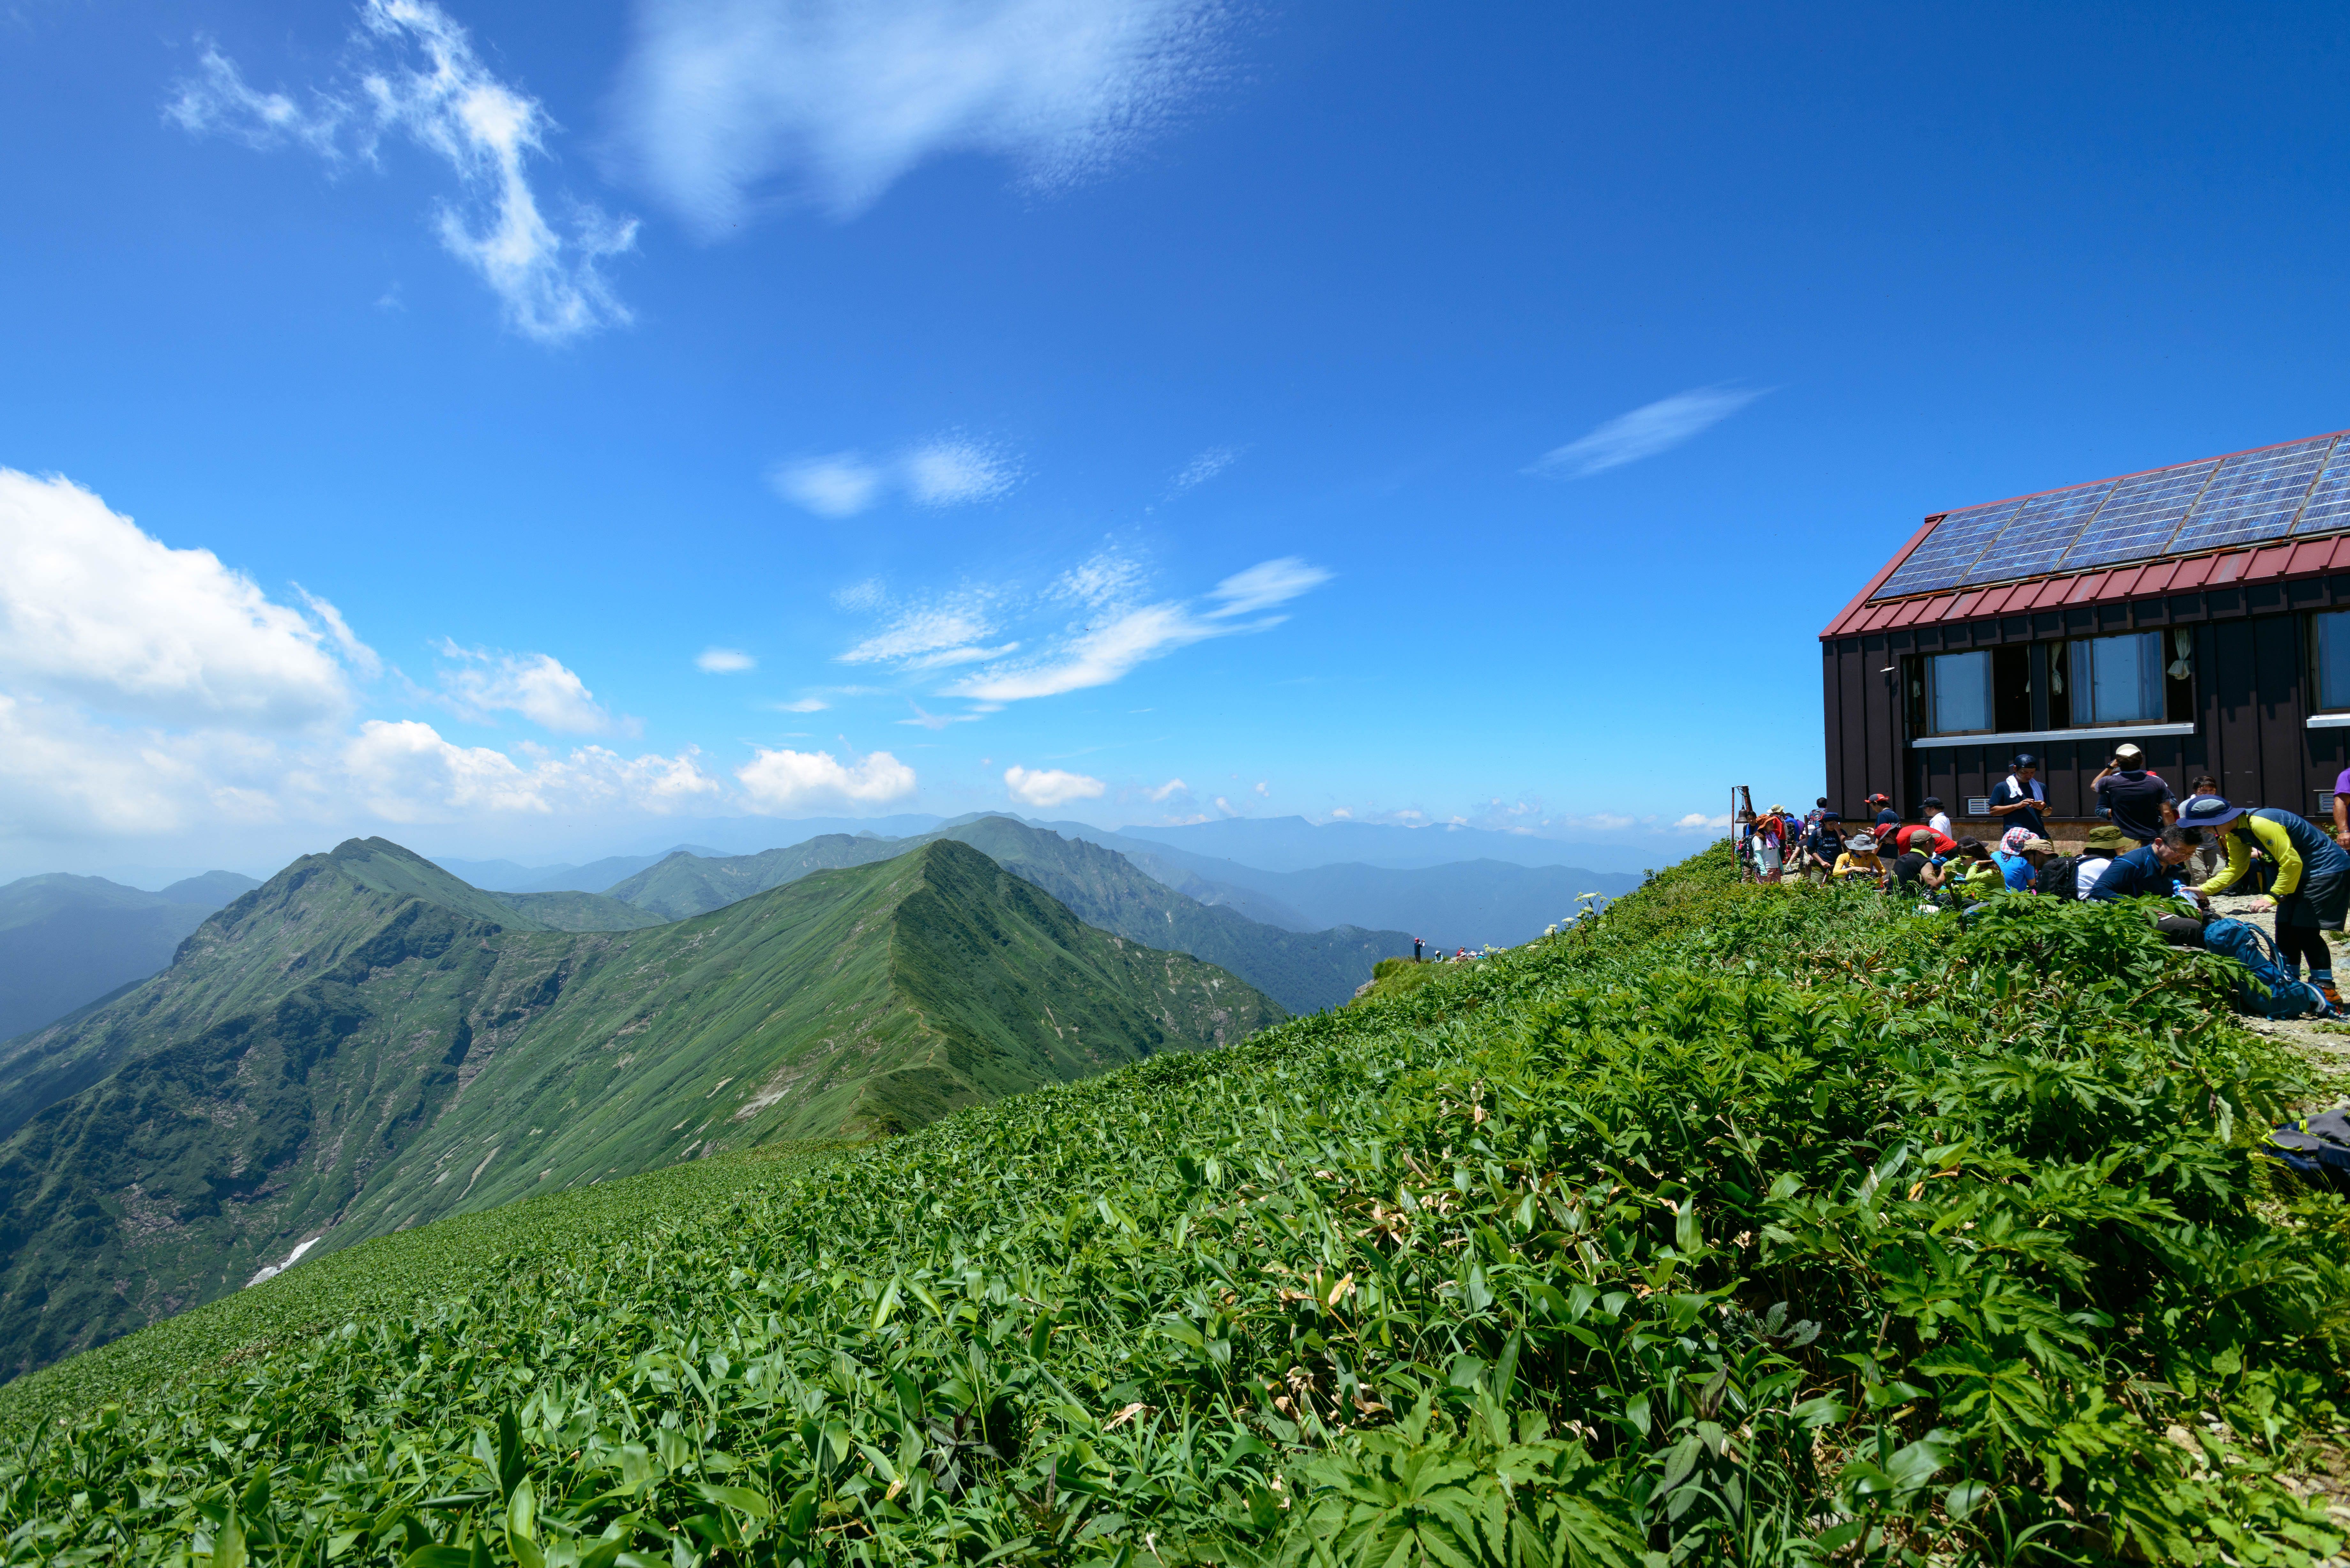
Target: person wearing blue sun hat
point(2311, 890)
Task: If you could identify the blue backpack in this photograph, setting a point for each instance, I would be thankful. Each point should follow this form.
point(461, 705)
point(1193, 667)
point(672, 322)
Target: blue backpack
point(2271, 992)
point(2316, 1148)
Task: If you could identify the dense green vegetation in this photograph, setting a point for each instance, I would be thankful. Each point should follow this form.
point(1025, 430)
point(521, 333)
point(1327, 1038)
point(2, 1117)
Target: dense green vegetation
point(360, 1048)
point(65, 941)
point(1738, 1224)
point(565, 911)
point(1302, 970)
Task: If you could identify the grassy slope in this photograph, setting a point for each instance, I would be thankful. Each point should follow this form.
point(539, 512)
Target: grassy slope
point(423, 1062)
point(579, 911)
point(1890, 1245)
point(1302, 971)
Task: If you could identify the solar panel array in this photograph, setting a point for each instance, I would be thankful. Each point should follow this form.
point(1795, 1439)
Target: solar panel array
point(2300, 489)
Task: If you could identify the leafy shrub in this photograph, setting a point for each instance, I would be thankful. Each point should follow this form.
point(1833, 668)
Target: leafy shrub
point(1736, 1224)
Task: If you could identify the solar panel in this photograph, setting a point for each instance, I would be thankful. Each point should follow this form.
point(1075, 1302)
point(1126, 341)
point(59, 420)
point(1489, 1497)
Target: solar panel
point(2039, 534)
point(2255, 496)
point(1943, 559)
point(2139, 519)
point(2327, 510)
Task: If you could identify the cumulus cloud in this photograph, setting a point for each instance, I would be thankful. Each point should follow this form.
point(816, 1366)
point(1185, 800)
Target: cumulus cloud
point(404, 771)
point(1645, 431)
point(724, 662)
point(538, 686)
point(726, 104)
point(415, 74)
point(1698, 821)
point(94, 608)
point(839, 486)
point(1050, 786)
point(786, 781)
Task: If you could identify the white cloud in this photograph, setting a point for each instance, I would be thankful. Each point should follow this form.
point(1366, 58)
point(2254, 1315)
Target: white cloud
point(803, 705)
point(1050, 786)
point(840, 485)
point(1227, 807)
point(1170, 788)
point(1096, 657)
point(727, 104)
point(786, 781)
point(1698, 821)
point(954, 628)
point(404, 771)
point(94, 608)
point(1645, 431)
point(1206, 466)
point(1262, 789)
point(955, 470)
point(724, 661)
point(934, 722)
point(357, 654)
point(1108, 579)
point(1265, 584)
point(417, 74)
point(537, 686)
point(1340, 814)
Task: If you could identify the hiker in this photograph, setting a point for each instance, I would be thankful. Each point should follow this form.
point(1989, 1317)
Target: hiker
point(1823, 845)
point(2133, 799)
point(1971, 873)
point(2311, 890)
point(2341, 809)
point(2080, 872)
point(2020, 854)
point(1858, 863)
point(1416, 946)
point(1936, 817)
point(2149, 868)
point(1883, 804)
point(2018, 800)
point(2210, 857)
point(1770, 842)
point(1918, 835)
point(1915, 873)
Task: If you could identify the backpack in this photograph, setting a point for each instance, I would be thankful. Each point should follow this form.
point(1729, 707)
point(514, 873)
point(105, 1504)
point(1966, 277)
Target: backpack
point(2059, 877)
point(2271, 992)
point(2316, 1148)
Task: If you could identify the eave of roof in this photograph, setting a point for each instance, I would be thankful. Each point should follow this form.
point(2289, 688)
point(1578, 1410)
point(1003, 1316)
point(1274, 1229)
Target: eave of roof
point(2142, 580)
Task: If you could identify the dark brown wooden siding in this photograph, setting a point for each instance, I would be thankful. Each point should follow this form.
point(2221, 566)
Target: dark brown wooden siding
point(2251, 674)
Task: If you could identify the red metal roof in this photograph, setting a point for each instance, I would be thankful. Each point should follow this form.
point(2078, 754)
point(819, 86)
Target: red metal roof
point(2290, 558)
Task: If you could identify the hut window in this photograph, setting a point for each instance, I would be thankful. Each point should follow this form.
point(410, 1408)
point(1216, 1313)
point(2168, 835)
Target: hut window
point(1957, 692)
point(2118, 680)
point(2333, 650)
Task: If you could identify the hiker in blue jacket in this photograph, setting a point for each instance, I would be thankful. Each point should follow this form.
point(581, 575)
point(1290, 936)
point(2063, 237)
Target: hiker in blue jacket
point(2152, 868)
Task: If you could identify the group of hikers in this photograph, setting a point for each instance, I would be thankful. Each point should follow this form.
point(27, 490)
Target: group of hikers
point(2149, 842)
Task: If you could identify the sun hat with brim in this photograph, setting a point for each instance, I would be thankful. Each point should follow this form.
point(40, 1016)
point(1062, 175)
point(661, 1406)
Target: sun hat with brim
point(2207, 811)
point(2036, 844)
point(2107, 838)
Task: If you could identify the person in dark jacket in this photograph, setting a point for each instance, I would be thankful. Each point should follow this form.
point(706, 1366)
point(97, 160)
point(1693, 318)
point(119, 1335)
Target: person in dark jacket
point(2313, 877)
point(2151, 870)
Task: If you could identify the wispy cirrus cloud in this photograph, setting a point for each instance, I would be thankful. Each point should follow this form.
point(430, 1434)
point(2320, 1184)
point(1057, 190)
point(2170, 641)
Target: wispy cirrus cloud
point(726, 105)
point(723, 661)
point(945, 471)
point(1645, 431)
point(1205, 467)
point(414, 72)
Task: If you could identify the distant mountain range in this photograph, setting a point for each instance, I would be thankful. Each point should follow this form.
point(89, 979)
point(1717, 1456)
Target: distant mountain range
point(1293, 844)
point(1302, 969)
point(65, 941)
point(367, 1043)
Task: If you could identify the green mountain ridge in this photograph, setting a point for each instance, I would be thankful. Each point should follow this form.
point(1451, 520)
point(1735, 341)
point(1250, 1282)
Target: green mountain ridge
point(1302, 970)
point(569, 911)
point(366, 1043)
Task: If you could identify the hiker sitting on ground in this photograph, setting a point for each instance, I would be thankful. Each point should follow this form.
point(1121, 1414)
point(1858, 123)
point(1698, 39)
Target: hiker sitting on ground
point(2312, 889)
point(2150, 869)
point(1924, 839)
point(1971, 873)
point(1858, 863)
point(1914, 873)
point(2020, 854)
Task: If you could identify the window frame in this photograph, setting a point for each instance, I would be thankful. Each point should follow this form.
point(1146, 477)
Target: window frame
point(2316, 659)
point(1931, 707)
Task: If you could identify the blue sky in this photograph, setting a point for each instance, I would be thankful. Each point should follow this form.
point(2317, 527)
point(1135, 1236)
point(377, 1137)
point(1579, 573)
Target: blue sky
point(614, 415)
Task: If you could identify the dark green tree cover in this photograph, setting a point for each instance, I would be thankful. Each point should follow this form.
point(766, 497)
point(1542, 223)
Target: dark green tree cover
point(579, 911)
point(1302, 970)
point(1738, 1225)
point(361, 1046)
